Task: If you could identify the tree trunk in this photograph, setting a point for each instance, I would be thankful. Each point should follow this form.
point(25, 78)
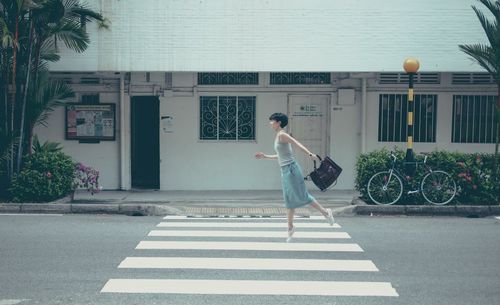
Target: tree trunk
point(25, 97)
point(14, 94)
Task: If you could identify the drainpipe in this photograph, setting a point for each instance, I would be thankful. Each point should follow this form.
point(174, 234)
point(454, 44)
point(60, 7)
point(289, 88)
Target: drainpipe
point(122, 132)
point(363, 115)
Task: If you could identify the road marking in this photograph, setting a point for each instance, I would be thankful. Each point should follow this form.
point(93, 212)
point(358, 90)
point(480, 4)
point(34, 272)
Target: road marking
point(247, 264)
point(312, 288)
point(244, 217)
point(253, 246)
point(243, 225)
point(28, 214)
point(204, 233)
point(12, 301)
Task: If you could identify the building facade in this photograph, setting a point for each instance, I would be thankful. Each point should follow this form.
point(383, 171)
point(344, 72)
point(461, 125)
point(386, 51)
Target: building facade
point(191, 86)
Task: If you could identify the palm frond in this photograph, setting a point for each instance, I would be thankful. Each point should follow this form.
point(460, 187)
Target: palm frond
point(73, 36)
point(47, 146)
point(483, 55)
point(490, 28)
point(48, 51)
point(50, 95)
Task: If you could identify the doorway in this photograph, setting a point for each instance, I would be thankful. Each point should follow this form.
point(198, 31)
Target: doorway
point(145, 142)
point(309, 124)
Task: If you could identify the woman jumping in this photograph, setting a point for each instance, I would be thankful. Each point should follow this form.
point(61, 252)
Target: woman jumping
point(295, 193)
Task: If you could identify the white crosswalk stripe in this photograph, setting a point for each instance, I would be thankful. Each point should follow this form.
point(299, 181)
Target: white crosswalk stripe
point(242, 225)
point(317, 288)
point(247, 264)
point(209, 237)
point(247, 246)
point(205, 233)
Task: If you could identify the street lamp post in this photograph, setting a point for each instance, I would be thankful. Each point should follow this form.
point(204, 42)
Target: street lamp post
point(411, 66)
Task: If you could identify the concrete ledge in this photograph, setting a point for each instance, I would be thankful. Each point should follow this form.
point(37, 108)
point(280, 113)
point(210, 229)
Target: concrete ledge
point(10, 208)
point(495, 210)
point(45, 208)
point(137, 209)
point(380, 209)
point(473, 211)
point(95, 208)
point(427, 210)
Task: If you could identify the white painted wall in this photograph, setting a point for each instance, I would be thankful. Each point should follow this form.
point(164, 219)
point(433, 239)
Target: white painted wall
point(262, 35)
point(445, 92)
point(190, 164)
point(103, 156)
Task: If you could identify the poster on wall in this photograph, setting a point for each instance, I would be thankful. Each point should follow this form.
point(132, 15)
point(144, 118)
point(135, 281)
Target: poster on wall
point(90, 122)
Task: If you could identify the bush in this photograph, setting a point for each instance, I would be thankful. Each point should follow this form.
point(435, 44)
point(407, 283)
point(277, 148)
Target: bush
point(472, 174)
point(46, 176)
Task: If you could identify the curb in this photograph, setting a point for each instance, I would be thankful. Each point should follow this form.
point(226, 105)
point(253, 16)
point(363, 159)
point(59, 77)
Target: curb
point(358, 207)
point(472, 211)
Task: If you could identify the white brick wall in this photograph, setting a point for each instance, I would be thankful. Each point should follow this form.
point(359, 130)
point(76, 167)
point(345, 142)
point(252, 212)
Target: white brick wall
point(279, 35)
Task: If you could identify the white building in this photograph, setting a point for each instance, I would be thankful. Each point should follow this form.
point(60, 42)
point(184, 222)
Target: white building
point(194, 83)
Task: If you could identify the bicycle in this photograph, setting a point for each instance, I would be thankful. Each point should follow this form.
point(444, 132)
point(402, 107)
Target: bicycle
point(386, 187)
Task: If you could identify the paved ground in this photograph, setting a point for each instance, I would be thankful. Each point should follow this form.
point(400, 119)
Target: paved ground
point(76, 259)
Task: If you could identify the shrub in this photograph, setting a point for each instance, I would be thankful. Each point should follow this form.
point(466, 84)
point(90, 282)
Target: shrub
point(86, 177)
point(472, 174)
point(46, 176)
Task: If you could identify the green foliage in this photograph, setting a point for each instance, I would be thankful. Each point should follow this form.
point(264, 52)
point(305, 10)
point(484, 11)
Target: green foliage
point(472, 174)
point(46, 176)
point(46, 146)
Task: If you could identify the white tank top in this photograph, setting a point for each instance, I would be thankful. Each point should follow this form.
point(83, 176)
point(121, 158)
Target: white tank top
point(284, 151)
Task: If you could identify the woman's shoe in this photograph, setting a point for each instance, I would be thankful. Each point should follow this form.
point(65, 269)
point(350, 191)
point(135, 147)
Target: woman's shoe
point(330, 219)
point(290, 235)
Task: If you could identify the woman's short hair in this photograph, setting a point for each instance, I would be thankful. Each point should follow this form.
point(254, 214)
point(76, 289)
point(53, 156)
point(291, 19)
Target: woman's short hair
point(279, 117)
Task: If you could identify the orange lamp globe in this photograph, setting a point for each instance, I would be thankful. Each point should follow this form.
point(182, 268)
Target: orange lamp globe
point(411, 65)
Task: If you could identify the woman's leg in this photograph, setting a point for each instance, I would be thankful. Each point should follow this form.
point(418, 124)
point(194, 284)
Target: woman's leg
point(327, 213)
point(315, 204)
point(289, 215)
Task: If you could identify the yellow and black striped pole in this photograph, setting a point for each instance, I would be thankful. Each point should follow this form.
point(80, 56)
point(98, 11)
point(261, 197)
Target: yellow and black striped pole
point(411, 66)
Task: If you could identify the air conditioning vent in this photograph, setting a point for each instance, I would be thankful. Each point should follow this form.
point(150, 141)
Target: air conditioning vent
point(472, 79)
point(402, 78)
point(90, 80)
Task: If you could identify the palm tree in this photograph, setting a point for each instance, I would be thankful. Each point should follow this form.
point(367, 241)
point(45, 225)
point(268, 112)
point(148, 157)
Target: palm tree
point(488, 57)
point(29, 31)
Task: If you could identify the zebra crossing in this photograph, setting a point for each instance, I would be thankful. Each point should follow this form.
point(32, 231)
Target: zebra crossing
point(201, 236)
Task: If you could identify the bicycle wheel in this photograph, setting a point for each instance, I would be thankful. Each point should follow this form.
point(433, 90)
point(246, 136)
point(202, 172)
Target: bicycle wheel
point(385, 188)
point(438, 187)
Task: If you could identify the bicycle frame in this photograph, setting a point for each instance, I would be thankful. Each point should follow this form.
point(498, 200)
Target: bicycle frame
point(406, 178)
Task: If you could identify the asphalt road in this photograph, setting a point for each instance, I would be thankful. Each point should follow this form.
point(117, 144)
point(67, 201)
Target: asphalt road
point(72, 259)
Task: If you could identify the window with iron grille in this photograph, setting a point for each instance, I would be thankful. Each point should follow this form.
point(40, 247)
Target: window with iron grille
point(393, 124)
point(300, 79)
point(228, 78)
point(473, 119)
point(227, 118)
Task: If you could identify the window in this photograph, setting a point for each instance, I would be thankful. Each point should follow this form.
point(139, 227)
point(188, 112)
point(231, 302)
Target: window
point(228, 78)
point(403, 78)
point(473, 119)
point(90, 98)
point(393, 118)
point(300, 78)
point(227, 118)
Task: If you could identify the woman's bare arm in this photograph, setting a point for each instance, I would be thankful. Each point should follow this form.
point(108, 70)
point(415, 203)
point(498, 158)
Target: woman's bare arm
point(286, 138)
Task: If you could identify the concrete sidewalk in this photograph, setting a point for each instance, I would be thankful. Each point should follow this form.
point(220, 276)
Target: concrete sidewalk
point(195, 203)
point(232, 203)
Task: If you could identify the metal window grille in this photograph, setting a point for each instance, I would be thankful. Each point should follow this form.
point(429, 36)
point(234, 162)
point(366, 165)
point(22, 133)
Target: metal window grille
point(227, 118)
point(206, 78)
point(473, 119)
point(393, 124)
point(300, 79)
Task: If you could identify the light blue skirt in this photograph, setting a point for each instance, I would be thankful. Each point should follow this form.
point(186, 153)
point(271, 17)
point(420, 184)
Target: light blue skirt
point(295, 192)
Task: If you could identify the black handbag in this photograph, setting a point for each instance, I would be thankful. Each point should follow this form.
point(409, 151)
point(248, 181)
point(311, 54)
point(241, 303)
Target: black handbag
point(326, 174)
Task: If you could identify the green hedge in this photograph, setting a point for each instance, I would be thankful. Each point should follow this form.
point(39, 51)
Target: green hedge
point(472, 173)
point(46, 176)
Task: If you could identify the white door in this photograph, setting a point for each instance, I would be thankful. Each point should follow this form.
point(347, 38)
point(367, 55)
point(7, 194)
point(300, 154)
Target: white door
point(309, 124)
